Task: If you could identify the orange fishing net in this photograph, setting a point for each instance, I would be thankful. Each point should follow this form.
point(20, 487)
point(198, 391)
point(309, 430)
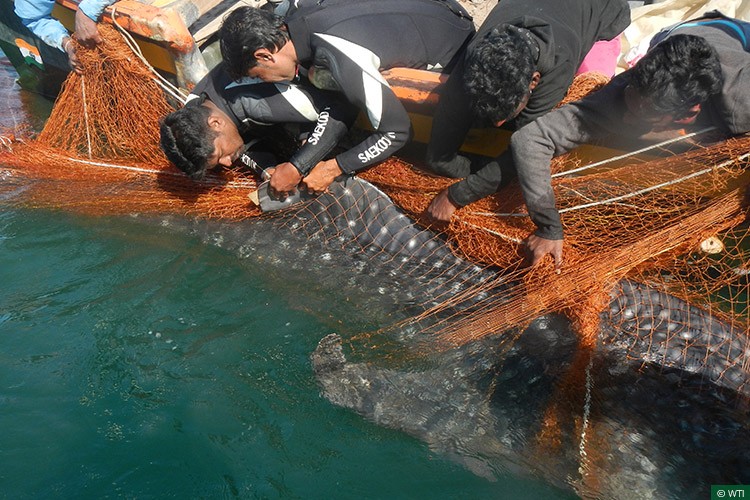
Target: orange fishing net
point(643, 219)
point(639, 220)
point(99, 151)
point(675, 222)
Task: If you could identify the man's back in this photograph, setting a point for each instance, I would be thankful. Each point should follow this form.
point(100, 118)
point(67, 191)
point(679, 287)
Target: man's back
point(422, 34)
point(353, 40)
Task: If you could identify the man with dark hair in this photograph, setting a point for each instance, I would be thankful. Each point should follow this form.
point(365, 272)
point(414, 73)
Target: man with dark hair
point(698, 74)
point(342, 45)
point(518, 67)
point(222, 115)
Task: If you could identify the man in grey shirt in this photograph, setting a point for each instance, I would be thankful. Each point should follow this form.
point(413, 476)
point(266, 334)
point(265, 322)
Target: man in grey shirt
point(695, 73)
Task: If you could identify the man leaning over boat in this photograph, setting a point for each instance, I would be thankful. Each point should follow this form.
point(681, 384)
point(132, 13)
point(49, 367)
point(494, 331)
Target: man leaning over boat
point(37, 16)
point(224, 118)
point(518, 67)
point(695, 74)
point(343, 45)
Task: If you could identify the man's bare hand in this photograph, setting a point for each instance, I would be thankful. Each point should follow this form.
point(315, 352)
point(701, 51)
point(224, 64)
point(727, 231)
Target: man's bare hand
point(536, 248)
point(86, 31)
point(70, 49)
point(441, 208)
point(321, 176)
point(284, 180)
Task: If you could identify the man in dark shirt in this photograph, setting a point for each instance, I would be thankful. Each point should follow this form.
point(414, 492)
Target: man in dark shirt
point(519, 66)
point(222, 116)
point(343, 45)
point(697, 75)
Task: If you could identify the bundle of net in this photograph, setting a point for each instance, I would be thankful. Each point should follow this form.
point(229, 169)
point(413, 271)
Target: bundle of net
point(99, 150)
point(644, 220)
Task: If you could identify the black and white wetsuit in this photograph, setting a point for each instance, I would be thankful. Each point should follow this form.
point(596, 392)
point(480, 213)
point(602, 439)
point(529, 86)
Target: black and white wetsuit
point(564, 32)
point(255, 106)
point(352, 40)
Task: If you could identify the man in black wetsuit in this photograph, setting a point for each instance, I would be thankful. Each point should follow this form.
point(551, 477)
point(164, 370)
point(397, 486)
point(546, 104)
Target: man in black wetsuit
point(343, 45)
point(222, 117)
point(695, 74)
point(519, 66)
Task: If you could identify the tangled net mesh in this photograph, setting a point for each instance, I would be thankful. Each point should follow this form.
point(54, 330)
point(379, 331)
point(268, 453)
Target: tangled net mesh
point(617, 224)
point(644, 218)
point(99, 153)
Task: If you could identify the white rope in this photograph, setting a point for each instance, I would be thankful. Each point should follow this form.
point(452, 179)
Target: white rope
point(625, 196)
point(7, 142)
point(633, 153)
point(214, 182)
point(658, 186)
point(86, 114)
point(586, 415)
point(495, 233)
point(498, 214)
point(165, 84)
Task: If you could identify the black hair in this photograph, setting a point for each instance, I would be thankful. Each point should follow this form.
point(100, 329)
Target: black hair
point(499, 69)
point(187, 140)
point(246, 30)
point(678, 73)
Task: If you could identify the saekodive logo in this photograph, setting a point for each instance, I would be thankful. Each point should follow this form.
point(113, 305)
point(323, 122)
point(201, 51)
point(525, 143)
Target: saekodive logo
point(378, 148)
point(320, 128)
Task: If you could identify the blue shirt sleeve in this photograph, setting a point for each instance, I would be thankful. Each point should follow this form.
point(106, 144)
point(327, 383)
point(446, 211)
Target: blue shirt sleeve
point(94, 8)
point(37, 16)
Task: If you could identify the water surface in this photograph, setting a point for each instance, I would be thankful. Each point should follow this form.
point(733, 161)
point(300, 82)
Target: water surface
point(136, 362)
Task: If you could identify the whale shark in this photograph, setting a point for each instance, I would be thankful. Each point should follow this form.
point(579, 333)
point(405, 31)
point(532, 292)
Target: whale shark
point(654, 410)
point(637, 432)
point(409, 269)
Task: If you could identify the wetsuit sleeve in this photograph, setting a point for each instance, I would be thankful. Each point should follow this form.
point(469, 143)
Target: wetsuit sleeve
point(451, 123)
point(334, 121)
point(355, 70)
point(37, 16)
point(283, 103)
point(559, 131)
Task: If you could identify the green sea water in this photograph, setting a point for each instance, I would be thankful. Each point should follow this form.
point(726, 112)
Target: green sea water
point(140, 363)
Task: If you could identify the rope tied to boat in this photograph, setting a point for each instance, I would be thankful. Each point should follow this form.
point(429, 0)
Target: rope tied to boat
point(165, 84)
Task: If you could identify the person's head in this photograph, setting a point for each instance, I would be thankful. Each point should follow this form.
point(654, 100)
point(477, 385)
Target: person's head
point(670, 83)
point(500, 74)
point(256, 43)
point(199, 137)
